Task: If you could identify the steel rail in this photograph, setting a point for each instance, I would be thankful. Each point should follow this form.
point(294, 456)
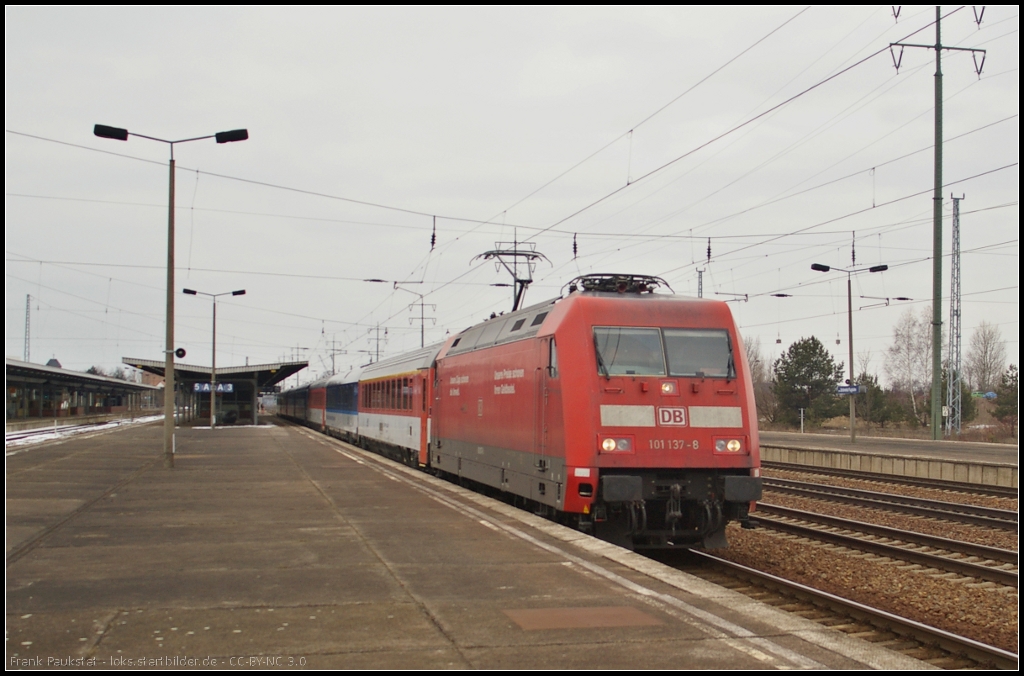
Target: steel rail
point(937, 484)
point(923, 633)
point(937, 561)
point(39, 431)
point(958, 546)
point(979, 516)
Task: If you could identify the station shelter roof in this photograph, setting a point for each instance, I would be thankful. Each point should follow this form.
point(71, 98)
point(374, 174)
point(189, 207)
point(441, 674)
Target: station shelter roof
point(266, 375)
point(37, 375)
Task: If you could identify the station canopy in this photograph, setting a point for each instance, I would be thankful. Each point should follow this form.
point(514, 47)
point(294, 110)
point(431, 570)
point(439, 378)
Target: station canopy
point(266, 376)
point(37, 375)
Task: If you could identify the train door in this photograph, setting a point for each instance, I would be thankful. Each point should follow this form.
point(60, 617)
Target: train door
point(434, 413)
point(424, 416)
point(554, 401)
point(547, 426)
point(549, 404)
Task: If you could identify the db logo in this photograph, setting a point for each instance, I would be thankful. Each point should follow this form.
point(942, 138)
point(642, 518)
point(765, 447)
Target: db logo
point(672, 417)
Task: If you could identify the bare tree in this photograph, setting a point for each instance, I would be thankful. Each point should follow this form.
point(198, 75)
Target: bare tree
point(758, 366)
point(761, 377)
point(908, 361)
point(986, 358)
point(864, 361)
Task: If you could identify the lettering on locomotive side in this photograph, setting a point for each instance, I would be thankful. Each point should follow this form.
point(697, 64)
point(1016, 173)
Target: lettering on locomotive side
point(456, 380)
point(508, 374)
point(504, 389)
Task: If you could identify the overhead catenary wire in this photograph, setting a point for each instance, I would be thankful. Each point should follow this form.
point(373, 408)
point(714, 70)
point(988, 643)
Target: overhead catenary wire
point(728, 132)
point(866, 309)
point(806, 230)
point(637, 125)
point(859, 211)
point(320, 277)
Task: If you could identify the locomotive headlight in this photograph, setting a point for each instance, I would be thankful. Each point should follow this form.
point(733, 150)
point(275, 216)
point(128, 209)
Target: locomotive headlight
point(728, 445)
point(669, 387)
point(619, 444)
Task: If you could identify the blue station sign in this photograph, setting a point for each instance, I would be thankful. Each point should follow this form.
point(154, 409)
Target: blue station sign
point(221, 387)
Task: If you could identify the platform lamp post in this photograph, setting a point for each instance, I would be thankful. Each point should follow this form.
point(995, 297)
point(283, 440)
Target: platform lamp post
point(213, 370)
point(119, 134)
point(849, 301)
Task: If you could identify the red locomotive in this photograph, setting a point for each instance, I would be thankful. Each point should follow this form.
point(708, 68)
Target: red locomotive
point(619, 411)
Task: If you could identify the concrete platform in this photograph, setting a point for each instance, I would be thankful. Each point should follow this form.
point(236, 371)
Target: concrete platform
point(277, 547)
point(967, 462)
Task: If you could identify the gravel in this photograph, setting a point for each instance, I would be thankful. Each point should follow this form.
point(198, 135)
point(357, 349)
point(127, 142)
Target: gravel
point(984, 612)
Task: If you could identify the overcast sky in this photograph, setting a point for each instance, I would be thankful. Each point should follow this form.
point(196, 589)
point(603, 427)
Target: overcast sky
point(366, 123)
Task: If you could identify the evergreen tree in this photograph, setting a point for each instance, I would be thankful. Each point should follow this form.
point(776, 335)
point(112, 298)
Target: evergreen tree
point(1006, 398)
point(806, 377)
point(874, 404)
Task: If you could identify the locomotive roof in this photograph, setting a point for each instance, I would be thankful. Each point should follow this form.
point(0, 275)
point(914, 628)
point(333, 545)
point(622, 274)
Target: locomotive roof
point(503, 328)
point(525, 323)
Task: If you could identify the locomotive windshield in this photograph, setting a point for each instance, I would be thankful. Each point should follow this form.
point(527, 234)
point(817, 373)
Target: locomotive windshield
point(625, 351)
point(700, 353)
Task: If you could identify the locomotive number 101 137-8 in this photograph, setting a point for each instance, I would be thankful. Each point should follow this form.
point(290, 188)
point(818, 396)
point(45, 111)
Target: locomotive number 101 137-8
point(672, 444)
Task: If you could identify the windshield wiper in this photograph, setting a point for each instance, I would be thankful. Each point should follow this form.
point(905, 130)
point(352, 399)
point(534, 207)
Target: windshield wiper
point(600, 361)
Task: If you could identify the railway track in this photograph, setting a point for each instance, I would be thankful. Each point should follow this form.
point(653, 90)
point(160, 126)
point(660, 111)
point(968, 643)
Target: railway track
point(949, 511)
point(935, 646)
point(18, 442)
point(40, 431)
point(890, 479)
point(942, 554)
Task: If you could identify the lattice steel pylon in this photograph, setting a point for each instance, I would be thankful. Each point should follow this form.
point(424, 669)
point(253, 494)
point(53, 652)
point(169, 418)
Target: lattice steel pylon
point(954, 387)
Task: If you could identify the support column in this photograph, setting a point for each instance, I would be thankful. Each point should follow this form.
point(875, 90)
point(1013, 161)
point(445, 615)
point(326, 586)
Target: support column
point(255, 401)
